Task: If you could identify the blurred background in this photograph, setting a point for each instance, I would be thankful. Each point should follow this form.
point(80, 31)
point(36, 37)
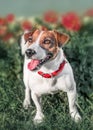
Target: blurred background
point(36, 7)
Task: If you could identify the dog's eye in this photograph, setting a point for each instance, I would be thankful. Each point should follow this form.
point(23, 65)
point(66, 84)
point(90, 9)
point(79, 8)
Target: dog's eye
point(47, 41)
point(30, 39)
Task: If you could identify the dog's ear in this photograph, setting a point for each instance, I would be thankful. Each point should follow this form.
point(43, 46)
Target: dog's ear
point(28, 34)
point(62, 38)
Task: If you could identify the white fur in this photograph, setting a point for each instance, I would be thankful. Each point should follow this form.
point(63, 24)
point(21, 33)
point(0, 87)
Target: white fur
point(36, 85)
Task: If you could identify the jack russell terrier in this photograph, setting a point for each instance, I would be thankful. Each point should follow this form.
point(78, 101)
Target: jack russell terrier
point(46, 69)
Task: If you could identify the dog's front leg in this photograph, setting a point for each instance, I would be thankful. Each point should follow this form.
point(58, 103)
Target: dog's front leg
point(26, 102)
point(72, 104)
point(39, 114)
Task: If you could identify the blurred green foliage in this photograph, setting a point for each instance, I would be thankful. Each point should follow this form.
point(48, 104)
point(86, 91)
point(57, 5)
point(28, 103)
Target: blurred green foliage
point(79, 52)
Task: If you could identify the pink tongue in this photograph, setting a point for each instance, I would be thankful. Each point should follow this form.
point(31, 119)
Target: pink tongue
point(33, 64)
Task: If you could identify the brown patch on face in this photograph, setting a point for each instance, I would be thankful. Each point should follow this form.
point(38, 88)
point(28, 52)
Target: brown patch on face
point(31, 37)
point(49, 42)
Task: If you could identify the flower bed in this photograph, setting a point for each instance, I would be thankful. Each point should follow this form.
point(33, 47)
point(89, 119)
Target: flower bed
point(11, 27)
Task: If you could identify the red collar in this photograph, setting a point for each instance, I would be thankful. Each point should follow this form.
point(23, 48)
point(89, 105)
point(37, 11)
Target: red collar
point(55, 73)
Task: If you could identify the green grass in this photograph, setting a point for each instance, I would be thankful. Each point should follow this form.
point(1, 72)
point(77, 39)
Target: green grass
point(12, 115)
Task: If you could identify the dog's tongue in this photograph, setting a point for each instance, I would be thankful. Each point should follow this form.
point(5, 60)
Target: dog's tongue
point(33, 64)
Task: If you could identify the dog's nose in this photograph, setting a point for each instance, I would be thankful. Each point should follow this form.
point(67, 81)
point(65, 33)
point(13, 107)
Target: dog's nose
point(30, 52)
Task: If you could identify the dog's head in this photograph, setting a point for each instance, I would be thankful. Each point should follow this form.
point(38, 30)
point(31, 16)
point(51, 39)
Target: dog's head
point(42, 46)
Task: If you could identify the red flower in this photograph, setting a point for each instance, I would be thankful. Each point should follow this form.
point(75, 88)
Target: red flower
point(26, 25)
point(51, 17)
point(3, 30)
point(71, 21)
point(89, 13)
point(2, 21)
point(10, 18)
point(7, 37)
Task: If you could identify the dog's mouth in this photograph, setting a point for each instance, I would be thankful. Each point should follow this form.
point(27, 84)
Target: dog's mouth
point(35, 64)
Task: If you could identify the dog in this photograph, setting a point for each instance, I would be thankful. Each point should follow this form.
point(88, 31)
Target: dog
point(46, 69)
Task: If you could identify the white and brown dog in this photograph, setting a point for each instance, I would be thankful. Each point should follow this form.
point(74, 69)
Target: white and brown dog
point(46, 69)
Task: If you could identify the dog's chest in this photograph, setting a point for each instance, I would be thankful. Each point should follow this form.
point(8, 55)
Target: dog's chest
point(41, 85)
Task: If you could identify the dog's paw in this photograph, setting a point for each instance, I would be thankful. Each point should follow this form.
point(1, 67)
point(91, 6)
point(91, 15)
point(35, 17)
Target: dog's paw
point(76, 116)
point(26, 104)
point(38, 118)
